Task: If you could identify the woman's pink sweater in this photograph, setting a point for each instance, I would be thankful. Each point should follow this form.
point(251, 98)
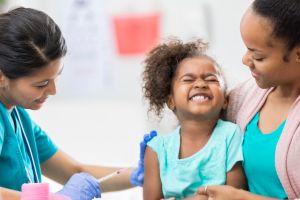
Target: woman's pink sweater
point(244, 102)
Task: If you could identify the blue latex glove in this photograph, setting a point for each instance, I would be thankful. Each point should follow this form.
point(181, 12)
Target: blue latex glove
point(137, 176)
point(81, 186)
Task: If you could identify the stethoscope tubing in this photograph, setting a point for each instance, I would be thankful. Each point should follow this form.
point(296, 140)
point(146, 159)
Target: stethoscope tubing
point(36, 177)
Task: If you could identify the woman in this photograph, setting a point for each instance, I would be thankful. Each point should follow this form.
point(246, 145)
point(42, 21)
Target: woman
point(31, 59)
point(268, 111)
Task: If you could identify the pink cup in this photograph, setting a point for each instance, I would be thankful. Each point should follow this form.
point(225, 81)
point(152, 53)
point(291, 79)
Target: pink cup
point(35, 191)
point(58, 197)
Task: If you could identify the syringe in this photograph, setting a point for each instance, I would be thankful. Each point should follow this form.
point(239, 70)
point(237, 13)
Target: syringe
point(119, 171)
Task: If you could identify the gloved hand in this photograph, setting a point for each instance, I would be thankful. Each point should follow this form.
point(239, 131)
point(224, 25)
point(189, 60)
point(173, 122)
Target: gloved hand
point(137, 176)
point(81, 186)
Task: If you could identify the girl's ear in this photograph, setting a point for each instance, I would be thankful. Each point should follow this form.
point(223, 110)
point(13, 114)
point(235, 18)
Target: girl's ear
point(226, 100)
point(224, 107)
point(170, 102)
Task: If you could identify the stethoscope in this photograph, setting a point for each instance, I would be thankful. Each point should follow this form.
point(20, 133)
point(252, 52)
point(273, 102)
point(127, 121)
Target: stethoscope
point(28, 148)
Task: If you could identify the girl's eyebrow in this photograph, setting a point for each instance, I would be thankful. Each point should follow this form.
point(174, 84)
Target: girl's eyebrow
point(193, 75)
point(211, 74)
point(188, 74)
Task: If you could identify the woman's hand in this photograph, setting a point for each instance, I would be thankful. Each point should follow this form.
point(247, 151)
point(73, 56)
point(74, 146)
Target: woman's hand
point(137, 176)
point(222, 192)
point(226, 192)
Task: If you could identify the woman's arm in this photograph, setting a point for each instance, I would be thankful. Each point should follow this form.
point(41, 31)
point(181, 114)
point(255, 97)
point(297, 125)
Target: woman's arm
point(226, 192)
point(152, 189)
point(7, 194)
point(60, 167)
point(236, 177)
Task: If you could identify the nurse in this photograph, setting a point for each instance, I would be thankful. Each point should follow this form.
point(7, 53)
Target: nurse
point(31, 59)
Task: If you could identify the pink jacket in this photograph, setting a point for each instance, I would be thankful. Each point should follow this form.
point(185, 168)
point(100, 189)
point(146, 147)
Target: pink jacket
point(244, 102)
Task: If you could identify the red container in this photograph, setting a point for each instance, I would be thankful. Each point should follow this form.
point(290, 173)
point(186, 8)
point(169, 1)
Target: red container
point(136, 34)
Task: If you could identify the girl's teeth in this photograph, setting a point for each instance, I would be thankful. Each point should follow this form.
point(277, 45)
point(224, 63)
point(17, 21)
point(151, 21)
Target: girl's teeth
point(199, 98)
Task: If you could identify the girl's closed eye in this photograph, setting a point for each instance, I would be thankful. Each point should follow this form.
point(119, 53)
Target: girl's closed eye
point(187, 80)
point(212, 79)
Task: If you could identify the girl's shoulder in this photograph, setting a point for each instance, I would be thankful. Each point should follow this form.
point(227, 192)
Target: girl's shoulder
point(227, 126)
point(226, 130)
point(165, 138)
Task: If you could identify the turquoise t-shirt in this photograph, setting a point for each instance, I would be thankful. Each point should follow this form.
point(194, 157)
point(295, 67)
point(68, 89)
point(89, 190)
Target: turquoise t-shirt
point(181, 178)
point(15, 165)
point(259, 160)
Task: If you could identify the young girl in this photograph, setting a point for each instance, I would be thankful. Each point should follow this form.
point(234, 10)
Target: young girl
point(203, 150)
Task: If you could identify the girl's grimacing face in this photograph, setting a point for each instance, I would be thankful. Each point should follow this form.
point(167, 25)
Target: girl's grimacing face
point(264, 55)
point(197, 91)
point(32, 91)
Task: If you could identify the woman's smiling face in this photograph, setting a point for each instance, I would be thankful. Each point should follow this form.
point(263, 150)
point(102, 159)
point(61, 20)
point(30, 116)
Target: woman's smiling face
point(31, 92)
point(267, 57)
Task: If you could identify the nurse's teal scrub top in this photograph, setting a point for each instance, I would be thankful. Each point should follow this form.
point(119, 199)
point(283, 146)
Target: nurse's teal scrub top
point(14, 158)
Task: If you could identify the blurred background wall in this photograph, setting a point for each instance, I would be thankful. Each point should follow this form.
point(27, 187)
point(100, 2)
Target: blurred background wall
point(99, 115)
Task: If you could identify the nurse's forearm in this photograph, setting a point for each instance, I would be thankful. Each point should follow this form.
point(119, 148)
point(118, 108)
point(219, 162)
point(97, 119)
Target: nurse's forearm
point(7, 194)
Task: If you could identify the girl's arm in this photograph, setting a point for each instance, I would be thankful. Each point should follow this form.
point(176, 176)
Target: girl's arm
point(236, 177)
point(152, 189)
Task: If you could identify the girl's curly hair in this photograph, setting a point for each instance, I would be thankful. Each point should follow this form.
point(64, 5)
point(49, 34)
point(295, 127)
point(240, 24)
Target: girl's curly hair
point(160, 67)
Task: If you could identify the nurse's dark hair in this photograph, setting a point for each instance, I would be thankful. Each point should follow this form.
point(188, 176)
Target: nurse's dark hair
point(161, 64)
point(284, 15)
point(29, 41)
